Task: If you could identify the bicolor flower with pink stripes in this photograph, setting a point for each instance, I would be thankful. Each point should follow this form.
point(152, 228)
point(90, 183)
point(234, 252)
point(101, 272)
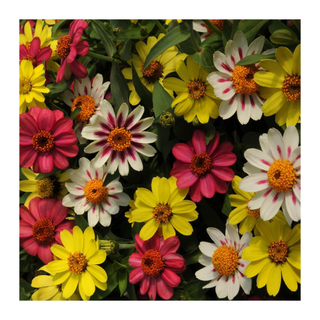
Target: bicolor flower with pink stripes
point(119, 139)
point(274, 174)
point(223, 262)
point(233, 83)
point(89, 193)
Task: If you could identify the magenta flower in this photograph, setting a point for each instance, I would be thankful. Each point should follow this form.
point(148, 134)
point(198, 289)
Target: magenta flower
point(46, 140)
point(68, 48)
point(40, 226)
point(203, 168)
point(157, 265)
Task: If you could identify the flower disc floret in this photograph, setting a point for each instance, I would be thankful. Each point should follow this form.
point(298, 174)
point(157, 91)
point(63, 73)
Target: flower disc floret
point(87, 105)
point(77, 262)
point(63, 46)
point(225, 260)
point(201, 163)
point(278, 251)
point(196, 89)
point(243, 81)
point(291, 87)
point(162, 213)
point(95, 192)
point(43, 141)
point(153, 71)
point(152, 263)
point(43, 231)
point(119, 139)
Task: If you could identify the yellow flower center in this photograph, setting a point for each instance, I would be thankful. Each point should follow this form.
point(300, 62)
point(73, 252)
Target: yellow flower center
point(225, 260)
point(87, 105)
point(242, 78)
point(119, 139)
point(162, 213)
point(201, 163)
point(63, 46)
point(217, 23)
point(255, 213)
point(278, 251)
point(43, 231)
point(153, 72)
point(152, 263)
point(48, 187)
point(95, 192)
point(281, 175)
point(43, 141)
point(291, 88)
point(25, 86)
point(77, 262)
point(196, 89)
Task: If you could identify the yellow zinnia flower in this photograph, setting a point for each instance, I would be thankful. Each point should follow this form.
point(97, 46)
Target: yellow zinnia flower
point(242, 213)
point(78, 267)
point(156, 70)
point(280, 85)
point(195, 96)
point(164, 209)
point(50, 187)
point(274, 255)
point(31, 86)
point(47, 290)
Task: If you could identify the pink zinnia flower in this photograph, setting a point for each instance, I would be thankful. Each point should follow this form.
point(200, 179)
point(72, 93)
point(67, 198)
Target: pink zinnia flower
point(157, 265)
point(46, 140)
point(68, 47)
point(203, 168)
point(40, 226)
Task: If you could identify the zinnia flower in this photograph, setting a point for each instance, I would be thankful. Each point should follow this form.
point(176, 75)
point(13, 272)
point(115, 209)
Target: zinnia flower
point(274, 174)
point(223, 261)
point(281, 86)
point(157, 265)
point(40, 226)
point(118, 139)
point(195, 96)
point(275, 254)
point(164, 209)
point(46, 140)
point(203, 168)
point(87, 96)
point(68, 48)
point(77, 266)
point(205, 31)
point(47, 291)
point(31, 86)
point(156, 70)
point(242, 213)
point(235, 84)
point(88, 193)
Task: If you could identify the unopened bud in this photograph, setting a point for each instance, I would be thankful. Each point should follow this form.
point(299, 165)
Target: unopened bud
point(109, 246)
point(284, 37)
point(143, 31)
point(196, 122)
point(116, 30)
point(167, 119)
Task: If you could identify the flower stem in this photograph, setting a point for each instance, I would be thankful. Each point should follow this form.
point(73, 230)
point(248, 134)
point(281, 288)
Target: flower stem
point(160, 26)
point(126, 246)
point(212, 27)
point(101, 57)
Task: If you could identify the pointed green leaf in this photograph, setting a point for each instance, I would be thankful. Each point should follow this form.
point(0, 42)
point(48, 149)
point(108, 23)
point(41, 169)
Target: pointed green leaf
point(255, 58)
point(226, 208)
point(56, 27)
point(81, 222)
point(161, 99)
point(75, 113)
point(122, 281)
point(46, 175)
point(251, 27)
point(125, 52)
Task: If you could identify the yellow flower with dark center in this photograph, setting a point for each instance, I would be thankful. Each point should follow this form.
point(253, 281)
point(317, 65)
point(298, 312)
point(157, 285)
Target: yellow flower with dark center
point(157, 70)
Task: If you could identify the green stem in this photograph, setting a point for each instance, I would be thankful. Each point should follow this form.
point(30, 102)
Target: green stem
point(297, 24)
point(160, 26)
point(126, 246)
point(212, 27)
point(101, 57)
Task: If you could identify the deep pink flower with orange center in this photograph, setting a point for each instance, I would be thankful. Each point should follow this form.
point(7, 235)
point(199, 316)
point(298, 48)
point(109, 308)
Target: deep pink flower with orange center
point(46, 140)
point(156, 264)
point(68, 48)
point(40, 226)
point(203, 168)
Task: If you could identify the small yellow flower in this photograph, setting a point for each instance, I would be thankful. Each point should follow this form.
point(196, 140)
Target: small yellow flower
point(128, 214)
point(169, 20)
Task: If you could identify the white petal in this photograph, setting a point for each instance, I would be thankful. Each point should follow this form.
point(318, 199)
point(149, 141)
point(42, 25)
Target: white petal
point(256, 46)
point(244, 109)
point(232, 234)
point(123, 167)
point(295, 157)
point(83, 87)
point(99, 160)
point(293, 205)
point(248, 168)
point(112, 164)
point(258, 159)
point(134, 159)
point(144, 137)
point(286, 214)
point(271, 205)
point(290, 140)
point(258, 198)
point(70, 200)
point(111, 206)
point(68, 97)
point(134, 116)
point(122, 199)
point(105, 218)
point(223, 87)
point(256, 112)
point(216, 235)
point(228, 108)
point(74, 188)
point(276, 143)
point(221, 64)
point(82, 206)
point(222, 288)
point(264, 143)
point(142, 125)
point(122, 114)
point(241, 44)
point(297, 190)
point(107, 110)
point(93, 215)
point(78, 177)
point(146, 150)
point(254, 182)
point(205, 261)
point(207, 248)
point(244, 241)
point(205, 273)
point(233, 285)
point(246, 284)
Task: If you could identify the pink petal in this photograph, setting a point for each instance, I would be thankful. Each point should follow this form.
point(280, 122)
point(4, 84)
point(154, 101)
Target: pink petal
point(199, 141)
point(224, 173)
point(65, 139)
point(44, 163)
point(170, 278)
point(58, 212)
point(33, 208)
point(163, 289)
point(135, 260)
point(82, 48)
point(153, 242)
point(136, 275)
point(60, 160)
point(141, 245)
point(28, 123)
point(213, 144)
point(68, 151)
point(61, 70)
point(44, 253)
point(34, 47)
point(25, 230)
point(183, 152)
point(175, 261)
point(153, 288)
point(44, 54)
point(45, 120)
point(224, 159)
point(170, 245)
point(220, 185)
point(27, 156)
point(61, 126)
point(207, 185)
point(144, 285)
point(45, 206)
point(195, 193)
point(78, 69)
point(30, 246)
point(185, 177)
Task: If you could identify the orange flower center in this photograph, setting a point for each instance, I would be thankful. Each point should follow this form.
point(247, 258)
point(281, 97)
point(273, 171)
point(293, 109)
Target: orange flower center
point(242, 78)
point(255, 213)
point(48, 187)
point(119, 139)
point(28, 45)
point(225, 260)
point(278, 251)
point(63, 46)
point(25, 86)
point(291, 88)
point(152, 263)
point(30, 58)
point(43, 231)
point(153, 72)
point(95, 192)
point(77, 262)
point(201, 163)
point(162, 213)
point(196, 89)
point(43, 141)
point(87, 105)
point(281, 175)
point(217, 23)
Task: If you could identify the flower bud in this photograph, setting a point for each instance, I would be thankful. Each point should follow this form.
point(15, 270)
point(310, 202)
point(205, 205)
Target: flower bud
point(167, 119)
point(109, 246)
point(284, 37)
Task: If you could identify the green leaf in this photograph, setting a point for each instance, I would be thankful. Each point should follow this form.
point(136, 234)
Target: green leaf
point(161, 99)
point(210, 131)
point(81, 222)
point(45, 175)
point(255, 58)
point(205, 56)
point(277, 25)
point(251, 27)
point(183, 130)
point(144, 94)
point(119, 87)
point(125, 52)
point(75, 112)
point(60, 87)
point(57, 26)
point(122, 281)
point(23, 199)
point(194, 289)
point(192, 257)
point(104, 37)
point(235, 25)
point(226, 208)
point(226, 32)
point(133, 33)
point(131, 291)
point(173, 37)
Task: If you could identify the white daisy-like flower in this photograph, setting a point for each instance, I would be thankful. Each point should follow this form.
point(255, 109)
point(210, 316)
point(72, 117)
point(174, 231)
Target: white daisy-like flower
point(234, 84)
point(274, 174)
point(119, 139)
point(87, 96)
point(87, 193)
point(223, 263)
point(200, 26)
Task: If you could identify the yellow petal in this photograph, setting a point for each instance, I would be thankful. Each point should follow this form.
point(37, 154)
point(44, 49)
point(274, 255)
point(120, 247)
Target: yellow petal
point(149, 229)
point(57, 266)
point(294, 114)
point(97, 272)
point(184, 107)
point(273, 67)
point(256, 252)
point(71, 285)
point(98, 258)
point(181, 225)
point(27, 185)
point(28, 31)
point(168, 230)
point(42, 281)
point(296, 69)
point(274, 104)
point(184, 206)
point(141, 215)
point(294, 257)
point(182, 71)
point(147, 197)
point(175, 84)
point(29, 174)
point(67, 240)
point(285, 58)
point(142, 50)
point(274, 280)
point(127, 73)
point(45, 294)
point(60, 252)
point(193, 68)
point(238, 214)
point(264, 274)
point(255, 267)
point(237, 200)
point(268, 79)
point(246, 225)
point(78, 239)
point(289, 277)
point(282, 114)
